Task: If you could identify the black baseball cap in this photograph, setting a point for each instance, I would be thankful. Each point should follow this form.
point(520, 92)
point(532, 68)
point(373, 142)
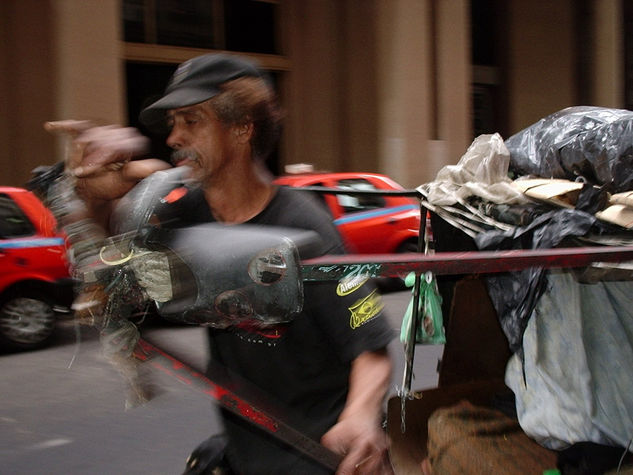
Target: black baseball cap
point(195, 81)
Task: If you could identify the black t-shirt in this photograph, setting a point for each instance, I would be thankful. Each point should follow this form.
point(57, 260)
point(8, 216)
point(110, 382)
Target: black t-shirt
point(303, 365)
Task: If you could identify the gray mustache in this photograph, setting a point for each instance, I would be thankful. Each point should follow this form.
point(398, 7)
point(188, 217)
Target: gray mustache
point(178, 155)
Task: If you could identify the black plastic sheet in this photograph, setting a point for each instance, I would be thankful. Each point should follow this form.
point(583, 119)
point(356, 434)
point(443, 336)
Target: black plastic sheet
point(593, 144)
point(515, 294)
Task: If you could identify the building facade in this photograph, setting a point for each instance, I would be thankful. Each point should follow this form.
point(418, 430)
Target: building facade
point(394, 86)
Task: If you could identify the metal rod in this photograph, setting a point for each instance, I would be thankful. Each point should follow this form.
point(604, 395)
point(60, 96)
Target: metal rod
point(410, 346)
point(454, 263)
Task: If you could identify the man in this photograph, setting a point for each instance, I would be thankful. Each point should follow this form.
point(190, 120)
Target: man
point(223, 122)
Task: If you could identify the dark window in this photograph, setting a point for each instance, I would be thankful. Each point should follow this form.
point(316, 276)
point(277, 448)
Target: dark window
point(134, 21)
point(487, 37)
point(359, 202)
point(484, 43)
point(627, 8)
point(483, 109)
point(250, 26)
point(145, 84)
point(233, 25)
point(187, 23)
point(13, 222)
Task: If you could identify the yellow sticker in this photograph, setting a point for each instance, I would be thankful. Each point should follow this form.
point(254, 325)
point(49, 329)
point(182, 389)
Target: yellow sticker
point(348, 285)
point(365, 309)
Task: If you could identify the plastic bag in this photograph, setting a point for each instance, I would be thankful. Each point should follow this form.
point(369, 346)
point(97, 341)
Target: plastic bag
point(482, 171)
point(593, 144)
point(430, 329)
point(574, 383)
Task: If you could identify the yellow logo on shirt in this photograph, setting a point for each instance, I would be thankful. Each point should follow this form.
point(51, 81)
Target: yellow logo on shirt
point(348, 285)
point(365, 309)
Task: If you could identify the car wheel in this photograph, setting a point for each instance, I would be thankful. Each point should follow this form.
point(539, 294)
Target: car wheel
point(407, 246)
point(26, 321)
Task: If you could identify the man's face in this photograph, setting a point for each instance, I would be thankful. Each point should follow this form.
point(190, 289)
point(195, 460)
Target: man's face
point(199, 140)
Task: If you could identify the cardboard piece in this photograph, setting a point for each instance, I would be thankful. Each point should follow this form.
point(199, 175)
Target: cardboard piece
point(562, 193)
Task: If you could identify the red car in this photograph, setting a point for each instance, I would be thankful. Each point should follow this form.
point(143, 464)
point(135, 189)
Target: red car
point(34, 277)
point(369, 223)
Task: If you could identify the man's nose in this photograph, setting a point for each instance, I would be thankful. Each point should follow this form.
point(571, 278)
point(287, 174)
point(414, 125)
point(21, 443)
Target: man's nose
point(174, 139)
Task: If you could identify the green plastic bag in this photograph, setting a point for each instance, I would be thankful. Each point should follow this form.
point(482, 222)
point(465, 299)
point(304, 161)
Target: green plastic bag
point(430, 329)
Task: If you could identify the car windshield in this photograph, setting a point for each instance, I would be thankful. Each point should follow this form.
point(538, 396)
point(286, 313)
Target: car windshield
point(13, 222)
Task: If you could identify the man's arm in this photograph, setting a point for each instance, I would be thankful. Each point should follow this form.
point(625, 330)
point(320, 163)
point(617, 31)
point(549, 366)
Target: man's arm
point(358, 434)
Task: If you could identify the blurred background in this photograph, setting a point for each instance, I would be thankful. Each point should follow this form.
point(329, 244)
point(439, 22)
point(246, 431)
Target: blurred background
point(399, 87)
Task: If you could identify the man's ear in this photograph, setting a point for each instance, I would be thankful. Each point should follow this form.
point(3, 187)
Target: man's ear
point(243, 132)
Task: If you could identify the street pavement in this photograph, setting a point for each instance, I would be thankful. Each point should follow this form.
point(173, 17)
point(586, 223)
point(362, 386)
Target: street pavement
point(63, 408)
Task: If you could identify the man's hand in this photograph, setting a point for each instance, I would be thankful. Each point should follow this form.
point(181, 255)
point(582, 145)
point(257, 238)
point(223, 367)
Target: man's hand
point(100, 159)
point(363, 444)
point(107, 147)
point(357, 435)
point(95, 147)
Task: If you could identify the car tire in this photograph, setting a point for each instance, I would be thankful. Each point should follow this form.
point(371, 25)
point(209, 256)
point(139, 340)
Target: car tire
point(407, 246)
point(27, 320)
